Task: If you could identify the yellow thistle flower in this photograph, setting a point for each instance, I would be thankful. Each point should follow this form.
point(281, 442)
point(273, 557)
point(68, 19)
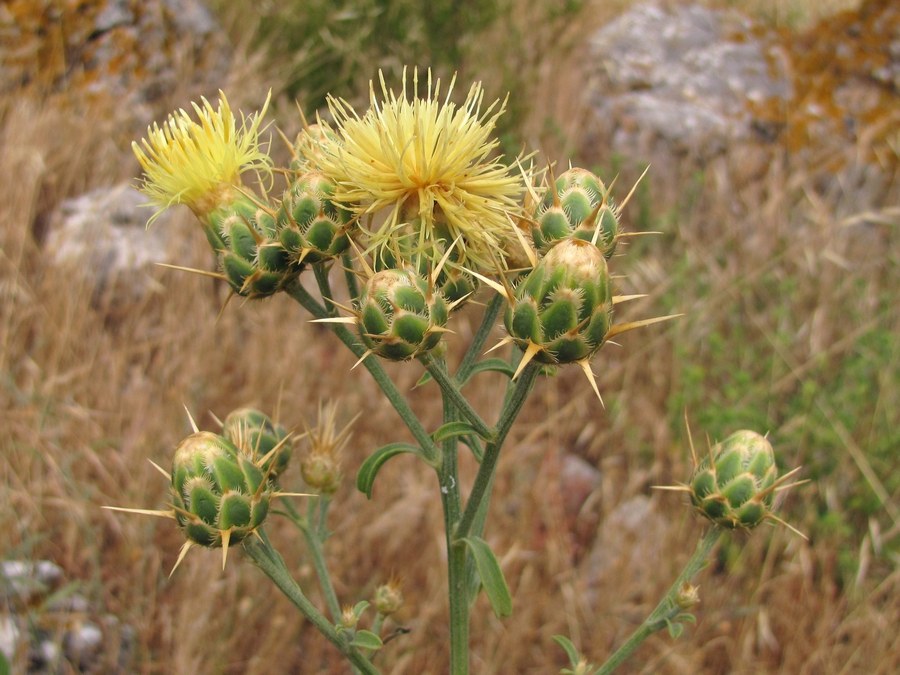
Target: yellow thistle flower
point(200, 163)
point(431, 164)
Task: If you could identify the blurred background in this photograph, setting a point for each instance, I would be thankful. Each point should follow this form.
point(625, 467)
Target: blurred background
point(772, 132)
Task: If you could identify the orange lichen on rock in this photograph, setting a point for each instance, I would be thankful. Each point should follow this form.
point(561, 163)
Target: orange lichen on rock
point(845, 76)
point(96, 47)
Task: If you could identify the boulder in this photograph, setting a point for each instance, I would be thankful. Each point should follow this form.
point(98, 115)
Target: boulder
point(102, 238)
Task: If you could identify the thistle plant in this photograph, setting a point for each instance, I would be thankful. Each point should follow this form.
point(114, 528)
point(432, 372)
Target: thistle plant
point(411, 200)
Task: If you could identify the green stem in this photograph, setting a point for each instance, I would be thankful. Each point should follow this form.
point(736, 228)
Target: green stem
point(320, 271)
point(314, 542)
point(272, 565)
point(438, 370)
point(668, 608)
point(429, 451)
point(481, 487)
point(448, 478)
point(477, 345)
point(350, 276)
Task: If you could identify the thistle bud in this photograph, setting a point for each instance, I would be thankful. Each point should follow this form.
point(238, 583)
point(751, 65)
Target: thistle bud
point(564, 306)
point(310, 226)
point(400, 315)
point(307, 148)
point(734, 486)
point(452, 281)
point(578, 205)
point(388, 598)
point(254, 263)
point(322, 472)
point(261, 439)
point(219, 494)
point(687, 596)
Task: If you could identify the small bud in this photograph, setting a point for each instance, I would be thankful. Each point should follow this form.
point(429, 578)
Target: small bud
point(321, 464)
point(577, 204)
point(321, 472)
point(254, 263)
point(388, 598)
point(688, 596)
point(310, 226)
point(349, 618)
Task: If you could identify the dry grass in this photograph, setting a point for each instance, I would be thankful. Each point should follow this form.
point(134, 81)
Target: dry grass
point(86, 399)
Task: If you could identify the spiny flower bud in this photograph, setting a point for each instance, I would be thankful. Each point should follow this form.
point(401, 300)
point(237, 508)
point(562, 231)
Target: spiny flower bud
point(453, 282)
point(388, 598)
point(321, 464)
point(254, 263)
point(310, 227)
point(219, 495)
point(562, 310)
point(734, 486)
point(400, 315)
point(322, 472)
point(577, 204)
point(258, 437)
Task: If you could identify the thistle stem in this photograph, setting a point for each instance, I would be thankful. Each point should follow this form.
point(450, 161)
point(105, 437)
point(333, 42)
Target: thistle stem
point(668, 608)
point(448, 479)
point(478, 340)
point(481, 487)
point(314, 538)
point(268, 560)
point(438, 370)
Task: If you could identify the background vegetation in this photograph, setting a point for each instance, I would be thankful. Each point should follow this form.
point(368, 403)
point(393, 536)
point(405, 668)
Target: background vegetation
point(791, 327)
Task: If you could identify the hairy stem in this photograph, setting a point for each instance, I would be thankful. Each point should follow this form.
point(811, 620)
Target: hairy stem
point(483, 481)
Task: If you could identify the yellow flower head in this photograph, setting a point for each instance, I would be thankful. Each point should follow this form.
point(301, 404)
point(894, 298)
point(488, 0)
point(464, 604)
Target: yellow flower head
point(429, 163)
point(199, 163)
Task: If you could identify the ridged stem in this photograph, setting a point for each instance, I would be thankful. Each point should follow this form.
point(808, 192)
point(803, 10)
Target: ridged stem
point(314, 541)
point(668, 608)
point(270, 562)
point(481, 487)
point(481, 335)
point(438, 370)
point(448, 479)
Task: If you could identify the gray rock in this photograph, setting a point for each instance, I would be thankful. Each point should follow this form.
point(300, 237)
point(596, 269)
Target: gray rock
point(626, 547)
point(21, 580)
point(40, 633)
point(678, 79)
point(102, 237)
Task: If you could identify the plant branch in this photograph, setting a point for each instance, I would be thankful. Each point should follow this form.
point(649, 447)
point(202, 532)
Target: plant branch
point(668, 608)
point(483, 481)
point(438, 371)
point(268, 560)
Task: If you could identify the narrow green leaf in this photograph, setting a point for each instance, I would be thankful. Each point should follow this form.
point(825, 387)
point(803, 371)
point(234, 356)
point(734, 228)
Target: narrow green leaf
point(452, 429)
point(566, 644)
point(366, 639)
point(370, 468)
point(425, 379)
point(493, 364)
point(491, 576)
